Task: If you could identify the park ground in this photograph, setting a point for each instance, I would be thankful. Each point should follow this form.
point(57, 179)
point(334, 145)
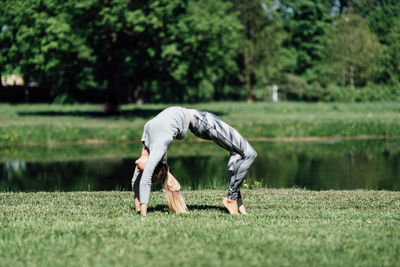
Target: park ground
point(285, 227)
point(86, 123)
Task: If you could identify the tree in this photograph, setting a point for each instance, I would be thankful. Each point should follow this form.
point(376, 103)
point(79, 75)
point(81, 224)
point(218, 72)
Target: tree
point(392, 54)
point(383, 18)
point(263, 57)
point(142, 50)
point(204, 48)
point(307, 23)
point(39, 42)
point(353, 52)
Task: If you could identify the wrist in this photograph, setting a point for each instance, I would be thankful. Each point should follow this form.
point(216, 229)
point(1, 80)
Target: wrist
point(137, 204)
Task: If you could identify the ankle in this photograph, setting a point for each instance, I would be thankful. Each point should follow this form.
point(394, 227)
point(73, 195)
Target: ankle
point(231, 200)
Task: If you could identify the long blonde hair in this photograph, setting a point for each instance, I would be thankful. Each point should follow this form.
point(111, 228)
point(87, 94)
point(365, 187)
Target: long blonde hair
point(174, 198)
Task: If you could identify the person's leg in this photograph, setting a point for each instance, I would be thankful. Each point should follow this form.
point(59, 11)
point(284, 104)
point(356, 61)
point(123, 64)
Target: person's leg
point(238, 166)
point(208, 126)
point(241, 208)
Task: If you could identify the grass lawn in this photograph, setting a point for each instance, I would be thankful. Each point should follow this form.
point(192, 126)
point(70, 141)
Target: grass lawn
point(287, 227)
point(39, 123)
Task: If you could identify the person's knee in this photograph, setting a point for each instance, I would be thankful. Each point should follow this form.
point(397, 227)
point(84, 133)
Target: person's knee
point(251, 153)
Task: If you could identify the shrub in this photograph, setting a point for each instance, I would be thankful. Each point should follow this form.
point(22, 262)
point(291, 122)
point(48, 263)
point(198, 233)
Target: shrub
point(370, 93)
point(376, 92)
point(334, 93)
point(293, 87)
point(296, 88)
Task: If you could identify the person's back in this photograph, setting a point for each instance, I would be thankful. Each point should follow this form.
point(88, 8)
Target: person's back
point(172, 122)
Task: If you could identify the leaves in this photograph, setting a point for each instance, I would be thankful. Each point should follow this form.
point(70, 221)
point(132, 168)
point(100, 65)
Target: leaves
point(167, 50)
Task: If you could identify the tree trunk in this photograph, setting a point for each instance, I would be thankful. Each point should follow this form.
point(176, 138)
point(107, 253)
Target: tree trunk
point(351, 75)
point(250, 79)
point(138, 95)
point(250, 98)
point(249, 72)
point(344, 76)
point(112, 106)
point(113, 77)
point(26, 90)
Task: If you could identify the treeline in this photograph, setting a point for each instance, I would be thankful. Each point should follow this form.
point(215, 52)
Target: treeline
point(202, 50)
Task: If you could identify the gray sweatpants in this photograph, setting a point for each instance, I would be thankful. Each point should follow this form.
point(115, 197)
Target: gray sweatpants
point(208, 126)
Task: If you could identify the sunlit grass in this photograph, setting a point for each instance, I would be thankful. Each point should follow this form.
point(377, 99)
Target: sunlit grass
point(284, 227)
point(76, 123)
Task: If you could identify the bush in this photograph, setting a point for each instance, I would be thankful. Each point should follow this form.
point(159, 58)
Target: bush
point(378, 92)
point(313, 92)
point(296, 88)
point(293, 87)
point(263, 93)
point(335, 93)
point(370, 93)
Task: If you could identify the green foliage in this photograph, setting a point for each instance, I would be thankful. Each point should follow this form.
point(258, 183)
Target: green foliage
point(191, 51)
point(297, 88)
point(391, 61)
point(378, 92)
point(383, 18)
point(307, 25)
point(335, 93)
point(262, 57)
point(41, 43)
point(166, 46)
point(369, 93)
point(353, 53)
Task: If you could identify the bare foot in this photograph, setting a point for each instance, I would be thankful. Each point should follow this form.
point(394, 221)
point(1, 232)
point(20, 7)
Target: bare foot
point(241, 208)
point(230, 205)
point(143, 209)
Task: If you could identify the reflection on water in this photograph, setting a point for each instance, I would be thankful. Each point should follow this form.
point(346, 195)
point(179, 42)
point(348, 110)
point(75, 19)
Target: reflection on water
point(317, 166)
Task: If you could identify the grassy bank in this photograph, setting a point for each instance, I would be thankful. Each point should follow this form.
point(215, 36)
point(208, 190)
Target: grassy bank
point(60, 152)
point(284, 227)
point(27, 124)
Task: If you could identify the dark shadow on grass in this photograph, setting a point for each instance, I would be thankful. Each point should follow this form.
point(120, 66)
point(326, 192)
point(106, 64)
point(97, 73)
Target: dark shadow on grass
point(133, 113)
point(161, 208)
point(206, 207)
point(130, 113)
point(164, 208)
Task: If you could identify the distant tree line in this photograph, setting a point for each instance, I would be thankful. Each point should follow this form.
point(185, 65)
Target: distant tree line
point(202, 50)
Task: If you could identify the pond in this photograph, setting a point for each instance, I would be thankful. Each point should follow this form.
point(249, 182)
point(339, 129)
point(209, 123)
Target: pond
point(334, 164)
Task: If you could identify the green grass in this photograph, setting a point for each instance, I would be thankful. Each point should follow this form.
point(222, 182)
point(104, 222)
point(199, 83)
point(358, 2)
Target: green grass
point(284, 228)
point(82, 152)
point(82, 123)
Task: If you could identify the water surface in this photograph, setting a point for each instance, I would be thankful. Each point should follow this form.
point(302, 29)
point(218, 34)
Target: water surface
point(352, 164)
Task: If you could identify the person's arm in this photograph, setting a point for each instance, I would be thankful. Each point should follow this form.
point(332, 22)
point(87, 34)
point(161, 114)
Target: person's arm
point(156, 154)
point(145, 152)
point(135, 187)
point(142, 160)
point(136, 179)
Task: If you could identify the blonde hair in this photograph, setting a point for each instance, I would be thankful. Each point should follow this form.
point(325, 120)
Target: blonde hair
point(174, 198)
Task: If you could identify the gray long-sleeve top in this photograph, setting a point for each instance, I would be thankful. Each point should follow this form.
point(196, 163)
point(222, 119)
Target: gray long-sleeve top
point(158, 134)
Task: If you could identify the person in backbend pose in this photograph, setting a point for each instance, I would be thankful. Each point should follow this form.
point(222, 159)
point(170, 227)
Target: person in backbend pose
point(174, 122)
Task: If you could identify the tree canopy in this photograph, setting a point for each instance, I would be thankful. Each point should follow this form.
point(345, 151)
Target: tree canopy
point(189, 51)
